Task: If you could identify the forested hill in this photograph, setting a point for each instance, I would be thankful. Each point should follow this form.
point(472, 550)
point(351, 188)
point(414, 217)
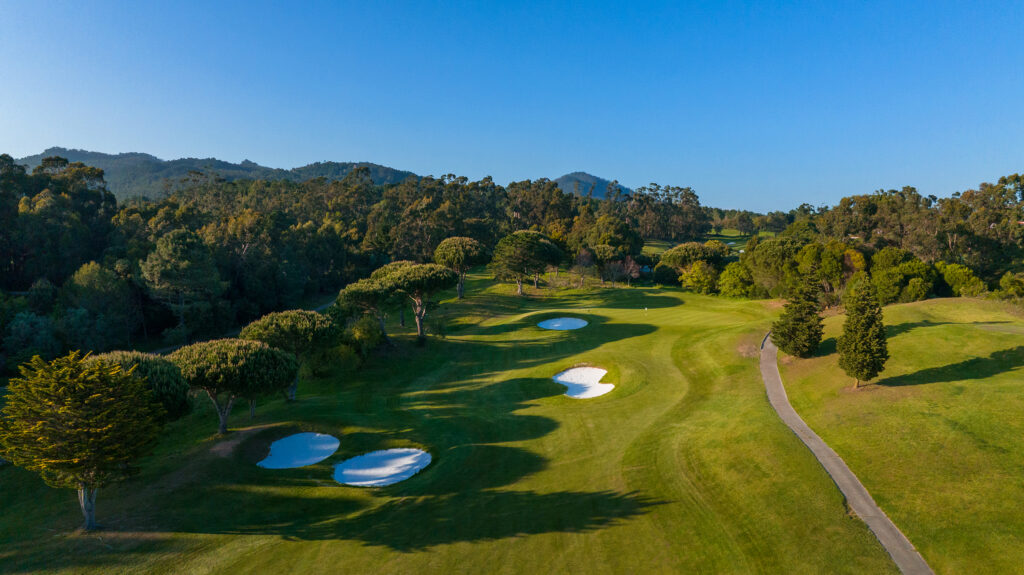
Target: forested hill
point(136, 174)
point(587, 182)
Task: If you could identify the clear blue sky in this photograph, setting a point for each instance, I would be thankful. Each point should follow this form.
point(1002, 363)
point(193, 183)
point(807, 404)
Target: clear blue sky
point(760, 105)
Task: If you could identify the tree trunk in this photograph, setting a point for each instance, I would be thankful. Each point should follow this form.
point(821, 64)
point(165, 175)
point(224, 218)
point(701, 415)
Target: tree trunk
point(252, 409)
point(419, 312)
point(519, 286)
point(856, 383)
point(87, 501)
point(222, 411)
point(536, 280)
point(461, 287)
point(383, 332)
point(421, 335)
point(293, 388)
point(181, 317)
point(401, 316)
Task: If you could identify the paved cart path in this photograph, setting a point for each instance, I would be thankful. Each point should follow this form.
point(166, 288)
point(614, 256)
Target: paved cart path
point(895, 542)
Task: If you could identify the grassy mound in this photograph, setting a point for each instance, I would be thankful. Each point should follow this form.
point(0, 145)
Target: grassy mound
point(938, 439)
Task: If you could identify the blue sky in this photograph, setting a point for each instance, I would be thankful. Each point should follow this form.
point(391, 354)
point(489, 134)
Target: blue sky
point(757, 105)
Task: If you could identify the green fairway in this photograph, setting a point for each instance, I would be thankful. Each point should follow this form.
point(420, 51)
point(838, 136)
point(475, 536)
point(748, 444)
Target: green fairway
point(938, 439)
point(682, 468)
point(655, 247)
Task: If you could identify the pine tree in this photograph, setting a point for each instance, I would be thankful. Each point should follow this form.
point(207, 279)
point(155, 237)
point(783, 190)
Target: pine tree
point(230, 369)
point(79, 424)
point(862, 347)
point(798, 332)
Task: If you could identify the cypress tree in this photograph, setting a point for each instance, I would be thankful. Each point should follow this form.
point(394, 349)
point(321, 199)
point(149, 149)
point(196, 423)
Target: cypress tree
point(79, 424)
point(862, 347)
point(798, 332)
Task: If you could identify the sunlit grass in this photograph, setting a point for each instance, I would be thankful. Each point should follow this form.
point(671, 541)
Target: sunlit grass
point(939, 438)
point(682, 468)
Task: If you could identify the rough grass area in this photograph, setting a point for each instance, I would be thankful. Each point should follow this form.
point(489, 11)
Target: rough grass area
point(938, 438)
point(684, 468)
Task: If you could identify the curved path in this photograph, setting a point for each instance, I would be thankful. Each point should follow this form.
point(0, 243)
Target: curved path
point(895, 542)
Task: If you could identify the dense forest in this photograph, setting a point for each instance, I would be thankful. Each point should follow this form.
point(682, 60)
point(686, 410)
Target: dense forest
point(80, 270)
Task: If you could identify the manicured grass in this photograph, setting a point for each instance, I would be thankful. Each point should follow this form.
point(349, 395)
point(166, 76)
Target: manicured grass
point(654, 247)
point(682, 468)
point(938, 439)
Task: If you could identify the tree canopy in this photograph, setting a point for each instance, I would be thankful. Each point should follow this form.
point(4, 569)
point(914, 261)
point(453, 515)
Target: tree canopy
point(523, 254)
point(799, 330)
point(228, 369)
point(460, 254)
point(301, 333)
point(161, 375)
point(862, 347)
point(417, 282)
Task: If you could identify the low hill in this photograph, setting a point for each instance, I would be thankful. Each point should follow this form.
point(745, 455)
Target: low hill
point(587, 182)
point(136, 174)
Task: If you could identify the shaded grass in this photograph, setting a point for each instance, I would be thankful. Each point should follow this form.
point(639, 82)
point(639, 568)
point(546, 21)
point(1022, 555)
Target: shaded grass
point(938, 438)
point(683, 467)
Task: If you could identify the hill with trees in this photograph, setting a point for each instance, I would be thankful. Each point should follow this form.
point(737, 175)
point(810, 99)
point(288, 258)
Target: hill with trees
point(133, 174)
point(584, 184)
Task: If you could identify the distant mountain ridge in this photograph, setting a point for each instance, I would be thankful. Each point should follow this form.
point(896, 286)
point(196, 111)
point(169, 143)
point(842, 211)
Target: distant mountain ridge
point(567, 184)
point(135, 174)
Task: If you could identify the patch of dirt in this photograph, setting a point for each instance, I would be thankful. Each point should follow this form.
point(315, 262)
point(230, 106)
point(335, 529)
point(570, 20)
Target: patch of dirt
point(198, 459)
point(774, 303)
point(746, 349)
point(226, 447)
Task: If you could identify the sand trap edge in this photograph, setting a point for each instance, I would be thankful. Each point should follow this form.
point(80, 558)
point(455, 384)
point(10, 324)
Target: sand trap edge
point(563, 323)
point(291, 456)
point(382, 468)
point(584, 382)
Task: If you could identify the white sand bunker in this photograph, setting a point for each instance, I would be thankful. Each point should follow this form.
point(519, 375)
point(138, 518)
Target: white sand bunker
point(584, 382)
point(563, 323)
point(379, 468)
point(300, 450)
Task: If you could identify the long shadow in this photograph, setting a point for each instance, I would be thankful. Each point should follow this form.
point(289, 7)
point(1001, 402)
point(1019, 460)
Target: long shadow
point(901, 328)
point(447, 397)
point(100, 551)
point(416, 524)
point(977, 368)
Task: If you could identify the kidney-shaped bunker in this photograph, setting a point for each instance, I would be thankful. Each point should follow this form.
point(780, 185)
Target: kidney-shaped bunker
point(379, 468)
point(300, 450)
point(562, 323)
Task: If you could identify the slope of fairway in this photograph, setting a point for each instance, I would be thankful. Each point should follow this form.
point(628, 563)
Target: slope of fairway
point(938, 439)
point(684, 468)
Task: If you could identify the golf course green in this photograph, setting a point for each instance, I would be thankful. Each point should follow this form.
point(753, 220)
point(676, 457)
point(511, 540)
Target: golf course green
point(683, 468)
point(938, 437)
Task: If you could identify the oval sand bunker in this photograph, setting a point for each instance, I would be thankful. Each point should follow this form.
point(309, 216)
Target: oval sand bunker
point(379, 468)
point(563, 323)
point(300, 450)
point(584, 382)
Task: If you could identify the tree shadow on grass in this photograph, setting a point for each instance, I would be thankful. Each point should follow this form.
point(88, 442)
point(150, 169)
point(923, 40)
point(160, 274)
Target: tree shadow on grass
point(827, 347)
point(977, 368)
point(80, 551)
point(418, 523)
point(901, 328)
point(598, 328)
